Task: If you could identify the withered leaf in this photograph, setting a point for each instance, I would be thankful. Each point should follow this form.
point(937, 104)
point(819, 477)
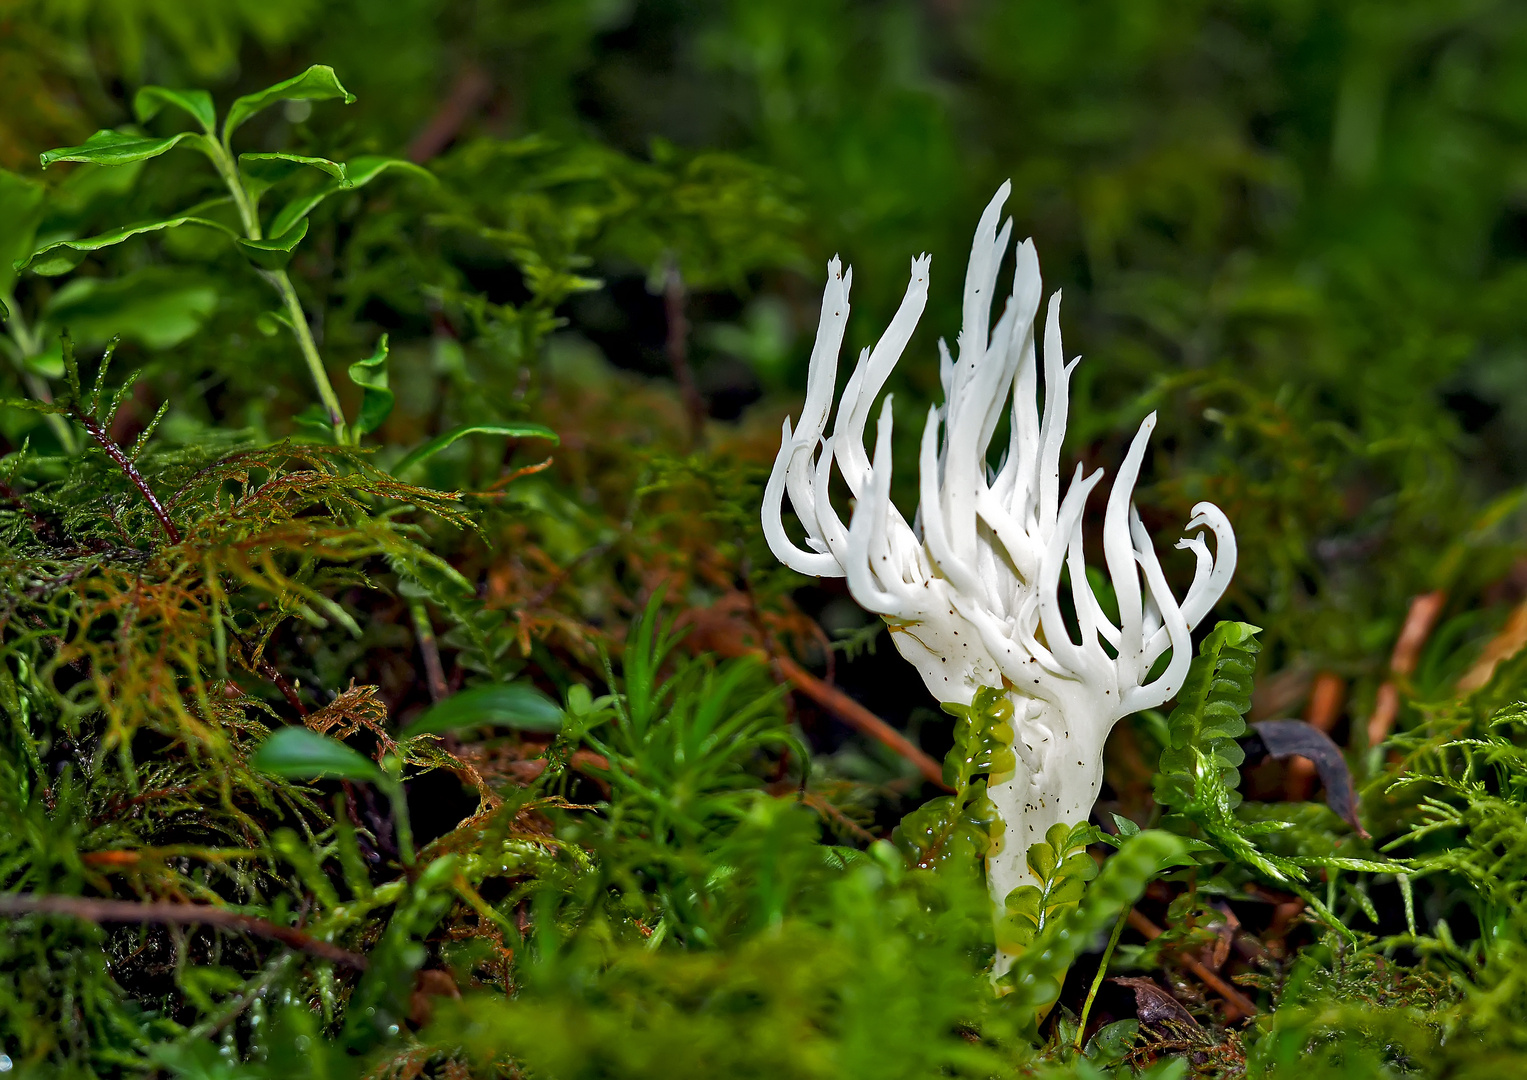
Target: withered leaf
point(1289, 738)
point(1154, 1005)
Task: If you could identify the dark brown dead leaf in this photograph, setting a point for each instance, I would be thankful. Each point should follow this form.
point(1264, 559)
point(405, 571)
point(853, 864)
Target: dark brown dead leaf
point(1154, 1005)
point(1289, 738)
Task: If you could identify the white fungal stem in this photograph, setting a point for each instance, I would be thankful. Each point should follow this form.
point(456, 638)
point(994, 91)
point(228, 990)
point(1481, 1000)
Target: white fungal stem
point(972, 590)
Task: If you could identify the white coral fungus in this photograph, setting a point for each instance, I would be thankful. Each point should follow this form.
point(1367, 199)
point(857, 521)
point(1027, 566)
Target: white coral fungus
point(971, 589)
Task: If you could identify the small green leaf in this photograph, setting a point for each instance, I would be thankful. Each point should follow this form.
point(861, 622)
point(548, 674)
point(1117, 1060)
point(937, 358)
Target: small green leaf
point(270, 323)
point(62, 256)
point(1078, 865)
point(517, 705)
point(108, 147)
point(297, 753)
point(268, 169)
point(150, 99)
point(1042, 860)
point(276, 253)
point(1024, 900)
point(314, 418)
point(377, 399)
point(1037, 973)
point(317, 83)
point(360, 172)
point(440, 442)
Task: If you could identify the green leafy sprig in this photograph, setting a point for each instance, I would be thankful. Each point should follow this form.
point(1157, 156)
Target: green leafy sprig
point(959, 829)
point(267, 245)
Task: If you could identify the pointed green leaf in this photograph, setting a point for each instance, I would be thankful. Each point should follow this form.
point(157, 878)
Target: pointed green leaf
point(108, 147)
point(317, 83)
point(273, 254)
point(376, 400)
point(148, 101)
point(360, 171)
point(517, 705)
point(440, 442)
point(261, 172)
point(271, 169)
point(315, 417)
point(62, 256)
point(297, 753)
point(1126, 827)
point(368, 167)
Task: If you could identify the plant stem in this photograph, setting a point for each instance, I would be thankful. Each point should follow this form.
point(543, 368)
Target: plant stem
point(430, 650)
point(125, 463)
point(309, 347)
point(222, 160)
point(39, 390)
point(1097, 980)
point(404, 829)
point(28, 346)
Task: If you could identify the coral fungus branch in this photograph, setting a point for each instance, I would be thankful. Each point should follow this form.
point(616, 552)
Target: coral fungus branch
point(971, 588)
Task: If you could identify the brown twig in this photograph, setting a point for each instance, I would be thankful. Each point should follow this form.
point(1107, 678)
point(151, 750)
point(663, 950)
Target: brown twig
point(429, 649)
point(730, 627)
point(289, 692)
point(497, 487)
point(468, 93)
point(265, 668)
point(128, 911)
point(827, 809)
point(1239, 1003)
point(1419, 621)
point(858, 717)
point(1511, 639)
point(674, 302)
point(125, 463)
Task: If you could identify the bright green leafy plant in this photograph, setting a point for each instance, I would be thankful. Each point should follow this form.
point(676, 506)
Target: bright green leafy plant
point(268, 243)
